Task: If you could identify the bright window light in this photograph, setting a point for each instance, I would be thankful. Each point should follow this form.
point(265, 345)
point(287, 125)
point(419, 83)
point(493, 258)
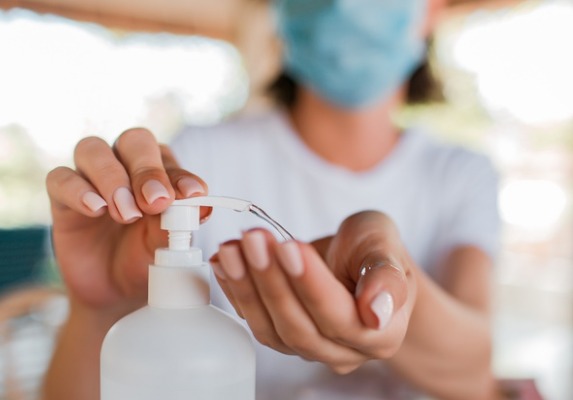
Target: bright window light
point(522, 61)
point(63, 80)
point(533, 205)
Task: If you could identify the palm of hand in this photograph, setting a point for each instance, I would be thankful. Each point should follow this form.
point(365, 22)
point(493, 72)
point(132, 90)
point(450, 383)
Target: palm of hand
point(103, 262)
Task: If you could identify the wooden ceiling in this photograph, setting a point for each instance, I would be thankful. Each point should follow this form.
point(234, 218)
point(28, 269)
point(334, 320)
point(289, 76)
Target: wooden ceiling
point(214, 18)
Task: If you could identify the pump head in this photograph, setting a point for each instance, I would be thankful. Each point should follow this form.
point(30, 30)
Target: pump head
point(173, 279)
point(183, 215)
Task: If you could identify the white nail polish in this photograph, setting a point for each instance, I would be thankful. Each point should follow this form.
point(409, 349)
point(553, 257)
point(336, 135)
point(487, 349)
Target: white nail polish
point(93, 201)
point(153, 190)
point(189, 186)
point(383, 307)
point(232, 261)
point(291, 259)
point(256, 250)
point(125, 204)
point(218, 270)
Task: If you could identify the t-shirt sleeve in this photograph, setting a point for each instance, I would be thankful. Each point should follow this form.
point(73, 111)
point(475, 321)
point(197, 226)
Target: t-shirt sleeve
point(471, 206)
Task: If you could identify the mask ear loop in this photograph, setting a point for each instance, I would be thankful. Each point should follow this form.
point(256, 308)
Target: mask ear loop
point(259, 212)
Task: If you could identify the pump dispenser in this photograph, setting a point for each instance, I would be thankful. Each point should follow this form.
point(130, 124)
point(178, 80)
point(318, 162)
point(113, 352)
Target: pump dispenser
point(179, 346)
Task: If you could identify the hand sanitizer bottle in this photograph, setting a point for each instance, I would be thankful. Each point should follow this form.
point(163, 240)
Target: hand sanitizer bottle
point(179, 346)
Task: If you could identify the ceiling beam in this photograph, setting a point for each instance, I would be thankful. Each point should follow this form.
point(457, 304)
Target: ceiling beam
point(214, 18)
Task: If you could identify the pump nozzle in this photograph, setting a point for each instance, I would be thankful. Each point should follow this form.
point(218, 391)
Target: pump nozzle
point(215, 201)
point(183, 215)
point(166, 286)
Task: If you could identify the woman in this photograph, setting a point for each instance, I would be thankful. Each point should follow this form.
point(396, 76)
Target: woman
point(403, 287)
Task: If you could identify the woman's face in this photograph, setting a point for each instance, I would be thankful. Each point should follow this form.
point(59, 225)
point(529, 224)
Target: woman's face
point(354, 53)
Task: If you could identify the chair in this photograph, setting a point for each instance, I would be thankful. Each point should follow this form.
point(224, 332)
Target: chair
point(24, 255)
point(31, 310)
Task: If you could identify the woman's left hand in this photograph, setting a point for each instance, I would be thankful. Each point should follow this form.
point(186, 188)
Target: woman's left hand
point(342, 301)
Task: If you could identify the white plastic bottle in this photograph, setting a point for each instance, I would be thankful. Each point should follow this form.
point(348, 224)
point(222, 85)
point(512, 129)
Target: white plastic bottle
point(179, 346)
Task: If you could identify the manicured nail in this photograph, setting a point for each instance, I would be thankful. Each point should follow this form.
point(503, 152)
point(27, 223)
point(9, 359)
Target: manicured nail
point(383, 307)
point(93, 201)
point(290, 258)
point(153, 190)
point(189, 186)
point(232, 261)
point(256, 250)
point(218, 270)
point(125, 204)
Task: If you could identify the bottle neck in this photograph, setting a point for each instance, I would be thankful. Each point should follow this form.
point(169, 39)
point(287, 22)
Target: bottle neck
point(178, 279)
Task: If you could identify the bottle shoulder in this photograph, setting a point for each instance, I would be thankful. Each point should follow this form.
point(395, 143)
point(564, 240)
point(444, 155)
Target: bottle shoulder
point(192, 341)
point(163, 323)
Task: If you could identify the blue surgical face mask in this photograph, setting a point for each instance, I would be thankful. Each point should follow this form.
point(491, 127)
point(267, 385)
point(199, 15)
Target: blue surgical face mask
point(351, 52)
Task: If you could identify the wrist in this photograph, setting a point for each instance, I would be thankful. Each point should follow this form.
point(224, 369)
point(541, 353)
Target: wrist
point(96, 320)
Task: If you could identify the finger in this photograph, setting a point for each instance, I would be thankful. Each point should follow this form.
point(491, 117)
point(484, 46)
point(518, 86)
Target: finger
point(330, 303)
point(96, 161)
point(222, 278)
point(246, 297)
point(327, 299)
point(68, 190)
point(384, 298)
point(321, 245)
point(139, 152)
point(185, 183)
point(290, 319)
point(363, 253)
point(380, 292)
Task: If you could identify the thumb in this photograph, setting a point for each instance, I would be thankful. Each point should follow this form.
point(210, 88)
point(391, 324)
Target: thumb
point(381, 291)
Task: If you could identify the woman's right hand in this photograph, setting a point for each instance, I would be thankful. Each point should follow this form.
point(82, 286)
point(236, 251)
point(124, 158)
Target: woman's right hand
point(105, 217)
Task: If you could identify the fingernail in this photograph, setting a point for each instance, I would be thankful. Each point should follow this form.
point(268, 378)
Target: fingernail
point(125, 204)
point(218, 270)
point(256, 250)
point(232, 261)
point(189, 186)
point(383, 307)
point(153, 190)
point(290, 258)
point(93, 201)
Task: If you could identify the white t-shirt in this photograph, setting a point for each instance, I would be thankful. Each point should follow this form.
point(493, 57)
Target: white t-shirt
point(439, 195)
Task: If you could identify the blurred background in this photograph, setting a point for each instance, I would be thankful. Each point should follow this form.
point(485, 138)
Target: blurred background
point(70, 69)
